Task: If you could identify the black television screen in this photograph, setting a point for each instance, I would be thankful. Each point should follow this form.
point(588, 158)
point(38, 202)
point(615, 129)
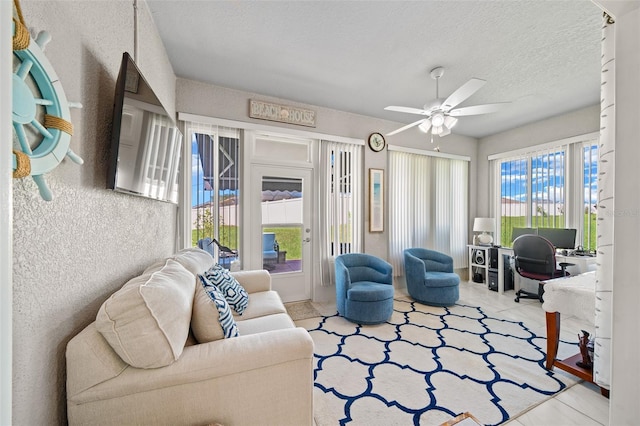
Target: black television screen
point(145, 142)
point(561, 238)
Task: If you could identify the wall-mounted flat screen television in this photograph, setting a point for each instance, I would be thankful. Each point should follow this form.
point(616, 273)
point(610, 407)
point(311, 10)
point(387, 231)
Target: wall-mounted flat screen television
point(145, 142)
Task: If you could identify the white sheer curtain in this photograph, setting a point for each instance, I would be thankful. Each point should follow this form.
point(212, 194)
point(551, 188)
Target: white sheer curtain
point(341, 195)
point(428, 206)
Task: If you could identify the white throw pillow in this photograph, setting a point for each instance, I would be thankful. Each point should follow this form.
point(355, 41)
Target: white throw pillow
point(146, 322)
point(193, 259)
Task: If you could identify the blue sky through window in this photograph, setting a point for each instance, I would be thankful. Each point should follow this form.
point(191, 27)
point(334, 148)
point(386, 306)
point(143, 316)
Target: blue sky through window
point(201, 191)
point(547, 177)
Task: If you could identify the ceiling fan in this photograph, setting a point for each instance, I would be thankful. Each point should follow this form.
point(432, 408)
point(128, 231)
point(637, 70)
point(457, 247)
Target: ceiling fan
point(440, 115)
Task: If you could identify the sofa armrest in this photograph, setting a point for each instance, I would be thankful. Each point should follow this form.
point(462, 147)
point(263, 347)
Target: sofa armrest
point(264, 378)
point(254, 281)
point(209, 361)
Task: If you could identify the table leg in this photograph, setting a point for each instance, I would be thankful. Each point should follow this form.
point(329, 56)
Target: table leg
point(553, 337)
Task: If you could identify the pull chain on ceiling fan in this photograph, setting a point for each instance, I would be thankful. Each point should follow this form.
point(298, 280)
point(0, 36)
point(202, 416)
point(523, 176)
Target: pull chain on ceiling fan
point(440, 115)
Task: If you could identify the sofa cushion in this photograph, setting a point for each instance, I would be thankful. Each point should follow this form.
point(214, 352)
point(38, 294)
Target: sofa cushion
point(212, 318)
point(266, 323)
point(236, 295)
point(146, 322)
point(263, 303)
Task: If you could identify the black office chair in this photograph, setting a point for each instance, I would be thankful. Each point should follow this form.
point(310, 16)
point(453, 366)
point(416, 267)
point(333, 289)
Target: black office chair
point(535, 258)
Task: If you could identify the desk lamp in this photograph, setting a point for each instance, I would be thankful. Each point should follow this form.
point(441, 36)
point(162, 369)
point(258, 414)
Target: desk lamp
point(484, 225)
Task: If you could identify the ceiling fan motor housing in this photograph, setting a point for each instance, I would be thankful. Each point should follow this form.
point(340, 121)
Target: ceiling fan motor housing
point(433, 105)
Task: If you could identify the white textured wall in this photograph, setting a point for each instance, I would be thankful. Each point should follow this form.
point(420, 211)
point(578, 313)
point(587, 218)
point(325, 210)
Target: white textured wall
point(625, 345)
point(72, 252)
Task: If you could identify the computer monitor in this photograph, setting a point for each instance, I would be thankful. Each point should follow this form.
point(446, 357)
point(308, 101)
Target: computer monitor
point(561, 238)
point(516, 232)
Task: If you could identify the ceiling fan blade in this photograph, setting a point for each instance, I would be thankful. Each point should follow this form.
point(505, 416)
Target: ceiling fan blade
point(408, 126)
point(463, 92)
point(478, 109)
point(407, 110)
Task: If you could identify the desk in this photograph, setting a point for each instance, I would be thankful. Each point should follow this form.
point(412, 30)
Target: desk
point(581, 264)
point(572, 296)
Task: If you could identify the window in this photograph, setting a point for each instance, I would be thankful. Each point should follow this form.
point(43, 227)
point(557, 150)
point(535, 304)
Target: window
point(215, 184)
point(550, 187)
point(590, 191)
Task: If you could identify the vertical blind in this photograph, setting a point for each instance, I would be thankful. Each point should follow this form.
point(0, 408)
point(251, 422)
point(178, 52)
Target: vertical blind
point(428, 206)
point(341, 194)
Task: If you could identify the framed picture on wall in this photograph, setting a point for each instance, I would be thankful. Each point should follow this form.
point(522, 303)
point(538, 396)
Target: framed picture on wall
point(376, 200)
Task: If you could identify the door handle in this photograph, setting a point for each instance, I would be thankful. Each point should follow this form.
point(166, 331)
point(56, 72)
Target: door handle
point(306, 240)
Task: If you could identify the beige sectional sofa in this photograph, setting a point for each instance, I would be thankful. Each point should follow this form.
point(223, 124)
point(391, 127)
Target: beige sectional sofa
point(139, 362)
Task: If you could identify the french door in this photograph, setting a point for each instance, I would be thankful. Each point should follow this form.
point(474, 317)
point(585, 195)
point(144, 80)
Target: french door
point(281, 227)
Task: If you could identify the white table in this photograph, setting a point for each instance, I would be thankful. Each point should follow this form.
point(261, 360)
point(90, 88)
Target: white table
point(570, 296)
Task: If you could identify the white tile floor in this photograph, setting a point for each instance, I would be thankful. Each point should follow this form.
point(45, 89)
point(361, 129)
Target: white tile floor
point(581, 404)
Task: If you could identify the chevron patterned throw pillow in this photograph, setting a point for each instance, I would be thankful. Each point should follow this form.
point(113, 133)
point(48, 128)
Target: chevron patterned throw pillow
point(236, 295)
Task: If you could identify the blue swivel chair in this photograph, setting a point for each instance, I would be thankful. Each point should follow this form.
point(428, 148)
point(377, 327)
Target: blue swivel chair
point(269, 254)
point(205, 244)
point(430, 277)
point(364, 288)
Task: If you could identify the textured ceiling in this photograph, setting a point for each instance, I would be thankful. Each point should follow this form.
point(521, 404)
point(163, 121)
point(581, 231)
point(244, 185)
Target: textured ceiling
point(360, 56)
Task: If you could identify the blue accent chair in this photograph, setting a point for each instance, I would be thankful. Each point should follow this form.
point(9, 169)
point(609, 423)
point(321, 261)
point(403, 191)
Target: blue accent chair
point(205, 244)
point(364, 288)
point(430, 277)
point(269, 254)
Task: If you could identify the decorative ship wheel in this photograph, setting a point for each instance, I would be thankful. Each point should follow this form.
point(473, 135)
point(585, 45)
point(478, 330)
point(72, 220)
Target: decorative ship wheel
point(52, 140)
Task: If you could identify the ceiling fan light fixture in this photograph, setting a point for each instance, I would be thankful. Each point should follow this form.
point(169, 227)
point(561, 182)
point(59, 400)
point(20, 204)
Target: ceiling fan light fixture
point(437, 120)
point(450, 121)
point(441, 114)
point(425, 125)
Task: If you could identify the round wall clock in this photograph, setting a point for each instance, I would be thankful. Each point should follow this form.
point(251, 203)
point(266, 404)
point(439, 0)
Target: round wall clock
point(39, 103)
point(376, 142)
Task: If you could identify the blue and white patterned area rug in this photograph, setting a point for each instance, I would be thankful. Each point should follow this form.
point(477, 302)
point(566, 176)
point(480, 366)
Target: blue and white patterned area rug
point(425, 366)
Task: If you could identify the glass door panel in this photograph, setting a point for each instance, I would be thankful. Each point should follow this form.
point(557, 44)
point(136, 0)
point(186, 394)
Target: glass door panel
point(282, 229)
point(285, 228)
